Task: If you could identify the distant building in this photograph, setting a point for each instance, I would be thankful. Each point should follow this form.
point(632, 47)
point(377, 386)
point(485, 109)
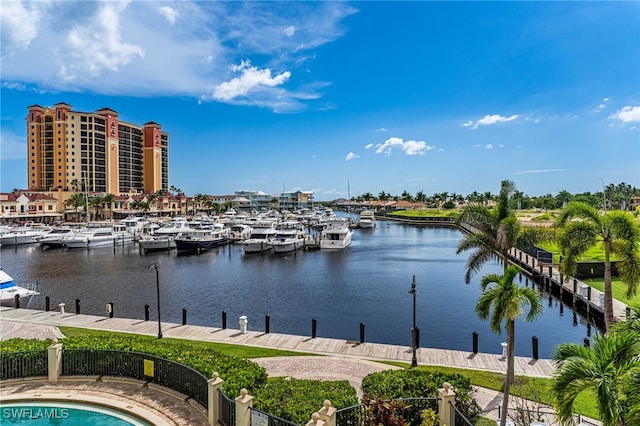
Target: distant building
point(25, 206)
point(94, 151)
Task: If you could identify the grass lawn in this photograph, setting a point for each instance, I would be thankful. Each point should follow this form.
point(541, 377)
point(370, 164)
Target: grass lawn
point(531, 388)
point(619, 289)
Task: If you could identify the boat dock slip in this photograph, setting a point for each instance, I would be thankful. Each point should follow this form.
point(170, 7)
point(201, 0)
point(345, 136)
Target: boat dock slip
point(319, 345)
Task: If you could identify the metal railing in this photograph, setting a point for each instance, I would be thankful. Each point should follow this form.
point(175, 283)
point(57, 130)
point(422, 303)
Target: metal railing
point(164, 372)
point(261, 418)
point(458, 418)
point(356, 415)
point(20, 365)
point(227, 410)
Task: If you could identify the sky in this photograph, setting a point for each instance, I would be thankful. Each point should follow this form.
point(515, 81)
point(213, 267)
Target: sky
point(342, 98)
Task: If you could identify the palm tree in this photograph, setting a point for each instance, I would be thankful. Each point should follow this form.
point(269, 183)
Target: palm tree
point(609, 369)
point(618, 234)
point(75, 200)
point(505, 301)
point(97, 203)
point(496, 231)
point(108, 200)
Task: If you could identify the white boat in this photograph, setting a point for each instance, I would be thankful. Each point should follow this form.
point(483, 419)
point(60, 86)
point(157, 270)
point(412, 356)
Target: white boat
point(262, 233)
point(289, 237)
point(239, 232)
point(9, 290)
point(13, 236)
point(99, 235)
point(164, 237)
point(134, 224)
point(55, 237)
point(367, 219)
point(336, 234)
point(202, 239)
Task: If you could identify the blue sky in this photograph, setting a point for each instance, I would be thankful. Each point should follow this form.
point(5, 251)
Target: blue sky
point(332, 97)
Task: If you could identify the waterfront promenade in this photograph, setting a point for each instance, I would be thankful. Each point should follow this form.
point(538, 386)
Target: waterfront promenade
point(319, 345)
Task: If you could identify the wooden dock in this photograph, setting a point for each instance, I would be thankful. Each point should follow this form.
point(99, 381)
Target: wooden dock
point(319, 346)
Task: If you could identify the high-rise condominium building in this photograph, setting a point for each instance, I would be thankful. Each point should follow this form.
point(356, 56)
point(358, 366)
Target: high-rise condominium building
point(71, 150)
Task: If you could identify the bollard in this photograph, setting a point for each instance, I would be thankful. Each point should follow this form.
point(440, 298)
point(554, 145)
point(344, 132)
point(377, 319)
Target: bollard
point(586, 342)
point(361, 332)
point(61, 306)
point(267, 321)
point(16, 301)
point(575, 286)
point(534, 346)
point(589, 293)
point(242, 322)
point(184, 316)
point(47, 304)
point(77, 306)
point(146, 312)
point(110, 309)
point(314, 325)
point(224, 320)
point(475, 342)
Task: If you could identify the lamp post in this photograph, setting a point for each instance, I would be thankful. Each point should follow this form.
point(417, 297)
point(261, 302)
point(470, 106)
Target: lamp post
point(413, 291)
point(154, 266)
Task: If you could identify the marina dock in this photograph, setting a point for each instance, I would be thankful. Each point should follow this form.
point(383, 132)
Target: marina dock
point(14, 318)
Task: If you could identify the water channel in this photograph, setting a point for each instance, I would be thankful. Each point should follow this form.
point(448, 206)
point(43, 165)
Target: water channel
point(368, 282)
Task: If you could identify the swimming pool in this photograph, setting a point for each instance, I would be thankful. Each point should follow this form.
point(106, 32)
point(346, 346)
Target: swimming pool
point(65, 413)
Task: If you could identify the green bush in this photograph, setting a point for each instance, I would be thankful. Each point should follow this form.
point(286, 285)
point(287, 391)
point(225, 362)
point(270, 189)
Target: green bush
point(295, 400)
point(236, 372)
point(394, 384)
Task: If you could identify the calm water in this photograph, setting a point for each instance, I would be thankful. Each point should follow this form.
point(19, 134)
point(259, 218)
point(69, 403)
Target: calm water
point(368, 282)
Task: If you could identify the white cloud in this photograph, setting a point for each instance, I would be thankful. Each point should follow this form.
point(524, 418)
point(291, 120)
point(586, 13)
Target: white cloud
point(169, 13)
point(409, 147)
point(381, 129)
point(525, 172)
point(97, 47)
point(489, 120)
point(488, 146)
point(250, 79)
point(116, 48)
point(351, 156)
point(368, 146)
point(19, 25)
point(628, 114)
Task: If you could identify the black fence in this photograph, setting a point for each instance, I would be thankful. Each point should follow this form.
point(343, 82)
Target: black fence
point(261, 418)
point(20, 365)
point(356, 414)
point(458, 418)
point(227, 410)
point(164, 372)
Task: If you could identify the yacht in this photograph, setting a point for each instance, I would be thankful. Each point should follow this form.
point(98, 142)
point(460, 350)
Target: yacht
point(240, 232)
point(9, 290)
point(336, 234)
point(367, 219)
point(55, 238)
point(99, 234)
point(163, 238)
point(18, 235)
point(202, 239)
point(262, 233)
point(289, 236)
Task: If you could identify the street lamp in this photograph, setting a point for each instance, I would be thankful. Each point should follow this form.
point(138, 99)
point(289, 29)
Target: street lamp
point(413, 291)
point(154, 266)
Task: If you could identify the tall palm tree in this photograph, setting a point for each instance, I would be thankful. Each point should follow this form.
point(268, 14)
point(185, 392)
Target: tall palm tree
point(618, 234)
point(609, 369)
point(496, 231)
point(505, 302)
point(108, 200)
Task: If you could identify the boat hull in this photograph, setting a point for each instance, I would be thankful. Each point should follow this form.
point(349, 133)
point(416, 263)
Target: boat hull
point(157, 244)
point(287, 246)
point(257, 246)
point(191, 245)
point(97, 242)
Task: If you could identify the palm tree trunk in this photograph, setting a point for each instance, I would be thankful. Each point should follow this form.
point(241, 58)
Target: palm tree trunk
point(608, 290)
point(511, 327)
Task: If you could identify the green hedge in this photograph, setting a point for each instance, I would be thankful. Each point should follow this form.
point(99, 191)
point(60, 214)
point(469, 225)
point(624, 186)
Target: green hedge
point(410, 383)
point(295, 400)
point(236, 372)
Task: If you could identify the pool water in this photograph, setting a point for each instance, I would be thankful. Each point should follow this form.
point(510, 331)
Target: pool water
point(64, 413)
